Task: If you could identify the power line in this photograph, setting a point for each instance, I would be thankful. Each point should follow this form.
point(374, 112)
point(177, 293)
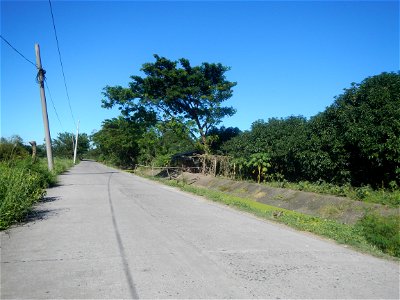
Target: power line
point(12, 47)
point(62, 67)
point(54, 107)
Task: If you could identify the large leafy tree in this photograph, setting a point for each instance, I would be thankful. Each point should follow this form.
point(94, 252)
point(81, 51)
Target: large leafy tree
point(367, 118)
point(175, 90)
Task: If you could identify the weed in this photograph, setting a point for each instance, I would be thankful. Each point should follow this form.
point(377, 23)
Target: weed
point(389, 197)
point(23, 183)
point(383, 232)
point(223, 188)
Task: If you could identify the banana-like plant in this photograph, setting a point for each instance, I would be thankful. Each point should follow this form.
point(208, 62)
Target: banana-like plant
point(259, 162)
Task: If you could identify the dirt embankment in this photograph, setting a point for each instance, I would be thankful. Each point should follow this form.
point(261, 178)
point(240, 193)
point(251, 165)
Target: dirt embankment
point(331, 207)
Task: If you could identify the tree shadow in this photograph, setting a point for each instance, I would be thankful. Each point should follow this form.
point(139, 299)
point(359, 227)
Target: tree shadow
point(49, 199)
point(37, 213)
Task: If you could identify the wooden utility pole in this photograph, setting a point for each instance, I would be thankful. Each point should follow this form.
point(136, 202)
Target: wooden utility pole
point(40, 80)
point(76, 142)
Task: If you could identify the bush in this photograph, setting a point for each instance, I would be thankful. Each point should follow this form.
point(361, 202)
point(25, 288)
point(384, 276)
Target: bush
point(20, 188)
point(12, 148)
point(23, 183)
point(382, 232)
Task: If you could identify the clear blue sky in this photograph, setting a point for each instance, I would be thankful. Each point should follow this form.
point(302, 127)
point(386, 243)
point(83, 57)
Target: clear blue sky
point(288, 58)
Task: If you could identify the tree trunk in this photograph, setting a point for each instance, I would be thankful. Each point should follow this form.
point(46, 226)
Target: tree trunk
point(33, 144)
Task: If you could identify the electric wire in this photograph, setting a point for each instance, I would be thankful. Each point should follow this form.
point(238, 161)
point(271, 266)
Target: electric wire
point(41, 73)
point(62, 66)
point(52, 102)
point(12, 47)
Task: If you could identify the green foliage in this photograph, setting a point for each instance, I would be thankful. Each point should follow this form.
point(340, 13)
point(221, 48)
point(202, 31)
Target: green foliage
point(259, 162)
point(162, 160)
point(63, 145)
point(162, 141)
point(351, 235)
point(125, 142)
point(367, 123)
point(20, 188)
point(282, 139)
point(383, 232)
point(219, 136)
point(23, 183)
point(117, 141)
point(364, 193)
point(354, 141)
point(12, 148)
point(175, 90)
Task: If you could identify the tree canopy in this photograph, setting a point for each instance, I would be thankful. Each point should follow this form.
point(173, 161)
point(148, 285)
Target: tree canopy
point(175, 90)
point(355, 140)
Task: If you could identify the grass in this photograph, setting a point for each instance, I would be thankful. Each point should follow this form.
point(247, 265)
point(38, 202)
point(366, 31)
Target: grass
point(361, 236)
point(22, 184)
point(390, 197)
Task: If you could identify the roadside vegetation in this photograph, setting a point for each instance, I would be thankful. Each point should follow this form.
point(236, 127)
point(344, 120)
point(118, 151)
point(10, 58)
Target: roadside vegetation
point(386, 196)
point(373, 234)
point(23, 181)
point(351, 149)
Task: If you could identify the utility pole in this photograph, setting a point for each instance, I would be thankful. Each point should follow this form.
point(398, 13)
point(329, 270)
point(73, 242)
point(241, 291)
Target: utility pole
point(40, 80)
point(76, 142)
point(73, 143)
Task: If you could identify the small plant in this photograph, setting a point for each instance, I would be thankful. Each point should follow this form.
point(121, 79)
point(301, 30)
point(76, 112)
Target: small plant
point(259, 162)
point(238, 164)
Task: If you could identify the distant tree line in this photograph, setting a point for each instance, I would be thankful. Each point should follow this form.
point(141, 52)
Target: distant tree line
point(356, 140)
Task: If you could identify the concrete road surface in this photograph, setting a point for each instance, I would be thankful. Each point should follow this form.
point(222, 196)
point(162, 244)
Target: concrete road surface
point(106, 234)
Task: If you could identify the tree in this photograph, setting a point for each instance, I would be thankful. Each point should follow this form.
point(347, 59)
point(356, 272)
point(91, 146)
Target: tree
point(117, 141)
point(355, 140)
point(175, 90)
point(367, 118)
point(63, 145)
point(162, 141)
point(283, 139)
point(218, 136)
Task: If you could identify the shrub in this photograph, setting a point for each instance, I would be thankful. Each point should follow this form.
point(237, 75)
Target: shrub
point(23, 183)
point(382, 232)
point(20, 188)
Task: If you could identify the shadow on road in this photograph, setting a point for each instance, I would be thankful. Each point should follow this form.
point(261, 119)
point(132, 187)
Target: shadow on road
point(101, 173)
point(38, 213)
point(49, 199)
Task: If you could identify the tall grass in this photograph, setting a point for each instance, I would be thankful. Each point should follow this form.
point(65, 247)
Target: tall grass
point(22, 184)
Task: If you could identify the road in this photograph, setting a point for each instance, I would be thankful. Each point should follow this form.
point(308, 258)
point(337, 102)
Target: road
point(102, 233)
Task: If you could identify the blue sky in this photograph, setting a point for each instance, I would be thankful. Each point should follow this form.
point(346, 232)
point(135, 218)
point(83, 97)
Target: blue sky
point(288, 58)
